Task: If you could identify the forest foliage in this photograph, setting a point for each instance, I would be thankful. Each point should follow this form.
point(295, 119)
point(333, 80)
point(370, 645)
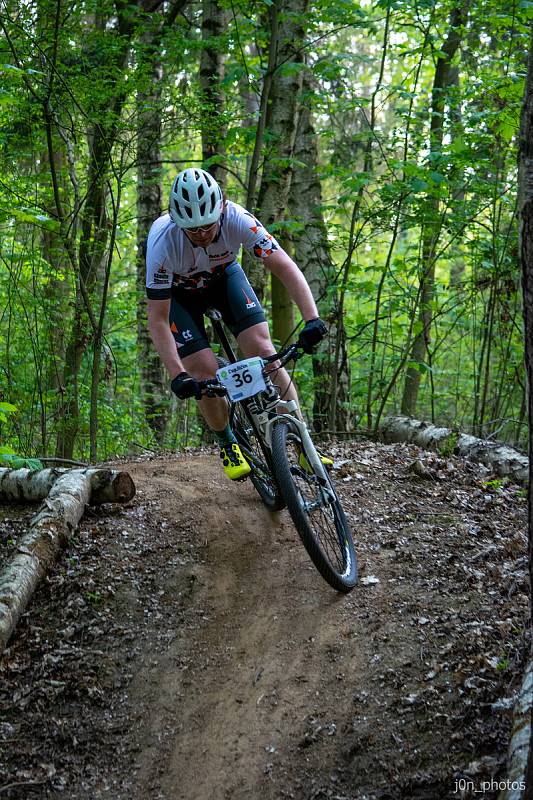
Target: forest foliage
point(377, 140)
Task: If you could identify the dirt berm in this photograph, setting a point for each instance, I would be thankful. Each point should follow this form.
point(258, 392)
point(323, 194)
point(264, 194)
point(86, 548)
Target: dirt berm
point(186, 648)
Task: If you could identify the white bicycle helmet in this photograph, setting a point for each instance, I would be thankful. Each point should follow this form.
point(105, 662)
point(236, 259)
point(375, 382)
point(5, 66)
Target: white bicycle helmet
point(195, 199)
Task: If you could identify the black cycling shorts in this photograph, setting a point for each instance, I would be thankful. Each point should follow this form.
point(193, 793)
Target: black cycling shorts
point(231, 294)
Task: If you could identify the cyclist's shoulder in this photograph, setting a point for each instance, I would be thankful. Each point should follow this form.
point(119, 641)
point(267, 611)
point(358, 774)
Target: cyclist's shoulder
point(163, 225)
point(164, 234)
point(237, 213)
point(244, 223)
point(164, 244)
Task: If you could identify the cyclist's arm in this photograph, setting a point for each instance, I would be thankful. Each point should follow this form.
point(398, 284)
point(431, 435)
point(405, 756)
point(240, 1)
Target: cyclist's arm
point(158, 311)
point(283, 267)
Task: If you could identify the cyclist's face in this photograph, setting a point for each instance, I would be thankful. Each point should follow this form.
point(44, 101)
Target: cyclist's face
point(203, 236)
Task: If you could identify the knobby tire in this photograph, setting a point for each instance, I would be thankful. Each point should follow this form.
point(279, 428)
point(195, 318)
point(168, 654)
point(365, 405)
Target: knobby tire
point(321, 525)
point(258, 456)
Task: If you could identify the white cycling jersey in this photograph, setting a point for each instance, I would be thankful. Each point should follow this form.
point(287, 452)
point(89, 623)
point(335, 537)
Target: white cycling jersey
point(173, 261)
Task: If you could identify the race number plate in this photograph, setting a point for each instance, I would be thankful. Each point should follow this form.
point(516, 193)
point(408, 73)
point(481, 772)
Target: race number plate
point(242, 379)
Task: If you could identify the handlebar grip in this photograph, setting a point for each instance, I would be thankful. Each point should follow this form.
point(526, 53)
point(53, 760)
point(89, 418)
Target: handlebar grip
point(212, 388)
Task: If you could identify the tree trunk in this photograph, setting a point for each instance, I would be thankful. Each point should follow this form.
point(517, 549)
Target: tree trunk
point(331, 409)
point(457, 268)
point(153, 383)
point(281, 122)
point(519, 743)
point(94, 231)
point(57, 296)
point(525, 207)
point(214, 24)
point(282, 313)
point(253, 268)
point(444, 76)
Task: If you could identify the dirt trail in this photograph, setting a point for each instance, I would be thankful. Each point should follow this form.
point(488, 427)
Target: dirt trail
point(187, 648)
point(247, 677)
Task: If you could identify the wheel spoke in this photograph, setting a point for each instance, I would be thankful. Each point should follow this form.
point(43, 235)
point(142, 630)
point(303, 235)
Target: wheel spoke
point(261, 475)
point(318, 507)
point(314, 508)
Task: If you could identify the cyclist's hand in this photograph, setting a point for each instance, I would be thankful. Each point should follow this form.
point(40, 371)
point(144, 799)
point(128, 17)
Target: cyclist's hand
point(313, 332)
point(184, 386)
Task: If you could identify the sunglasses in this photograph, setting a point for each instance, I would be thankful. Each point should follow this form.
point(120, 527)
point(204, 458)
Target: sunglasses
point(201, 228)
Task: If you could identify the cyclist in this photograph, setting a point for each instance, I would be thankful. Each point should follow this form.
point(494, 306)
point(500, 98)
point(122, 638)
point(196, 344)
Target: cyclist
point(191, 265)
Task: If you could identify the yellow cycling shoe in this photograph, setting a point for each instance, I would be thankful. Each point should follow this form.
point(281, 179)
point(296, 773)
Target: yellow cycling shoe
point(304, 463)
point(235, 465)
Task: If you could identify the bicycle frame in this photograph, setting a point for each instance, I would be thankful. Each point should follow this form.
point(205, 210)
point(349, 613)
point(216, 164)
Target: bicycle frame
point(304, 488)
point(267, 417)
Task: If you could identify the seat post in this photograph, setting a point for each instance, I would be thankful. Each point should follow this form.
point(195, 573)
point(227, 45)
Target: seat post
point(218, 327)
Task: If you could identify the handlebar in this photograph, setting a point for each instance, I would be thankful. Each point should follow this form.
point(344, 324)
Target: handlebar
point(212, 388)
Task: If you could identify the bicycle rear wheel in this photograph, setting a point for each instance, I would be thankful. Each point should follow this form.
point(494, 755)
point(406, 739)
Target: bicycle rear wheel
point(257, 455)
point(315, 510)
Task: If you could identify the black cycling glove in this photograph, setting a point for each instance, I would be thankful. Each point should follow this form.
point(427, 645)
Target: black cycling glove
point(184, 386)
point(313, 332)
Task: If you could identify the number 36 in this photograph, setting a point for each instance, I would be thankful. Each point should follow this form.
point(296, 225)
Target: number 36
point(242, 377)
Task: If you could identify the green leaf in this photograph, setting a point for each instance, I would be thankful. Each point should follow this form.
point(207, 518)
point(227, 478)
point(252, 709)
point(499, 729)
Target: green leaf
point(14, 461)
point(418, 185)
point(7, 456)
point(5, 409)
point(34, 463)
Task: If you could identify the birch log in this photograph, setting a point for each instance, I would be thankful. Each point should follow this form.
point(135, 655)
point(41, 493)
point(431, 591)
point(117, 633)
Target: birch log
point(519, 743)
point(49, 530)
point(26, 486)
point(504, 460)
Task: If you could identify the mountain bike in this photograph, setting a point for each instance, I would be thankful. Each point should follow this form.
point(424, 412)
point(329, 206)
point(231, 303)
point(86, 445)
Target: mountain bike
point(286, 469)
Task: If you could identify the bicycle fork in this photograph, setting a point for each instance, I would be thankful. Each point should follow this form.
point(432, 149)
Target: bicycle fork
point(266, 422)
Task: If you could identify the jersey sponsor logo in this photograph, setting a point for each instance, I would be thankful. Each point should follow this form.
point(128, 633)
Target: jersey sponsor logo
point(185, 335)
point(263, 252)
point(161, 277)
point(225, 255)
point(200, 279)
point(249, 302)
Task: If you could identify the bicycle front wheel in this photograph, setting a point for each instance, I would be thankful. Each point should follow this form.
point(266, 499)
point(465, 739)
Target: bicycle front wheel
point(257, 455)
point(315, 510)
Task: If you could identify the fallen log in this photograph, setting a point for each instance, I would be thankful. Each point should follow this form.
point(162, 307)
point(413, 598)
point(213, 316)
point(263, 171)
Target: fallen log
point(519, 742)
point(504, 460)
point(49, 530)
point(27, 486)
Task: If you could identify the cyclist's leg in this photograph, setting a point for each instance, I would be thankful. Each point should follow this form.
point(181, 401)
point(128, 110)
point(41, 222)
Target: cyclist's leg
point(187, 326)
point(242, 312)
